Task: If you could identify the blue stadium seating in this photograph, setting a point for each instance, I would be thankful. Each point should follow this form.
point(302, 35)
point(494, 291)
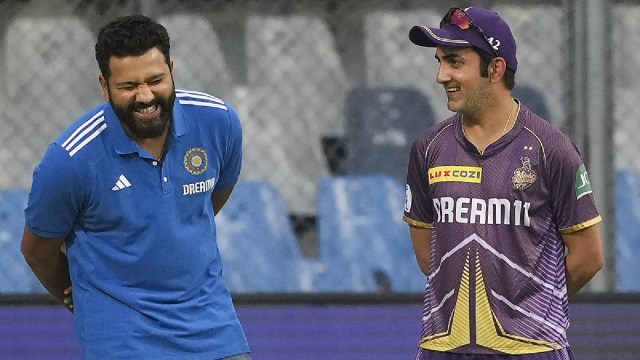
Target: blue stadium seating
point(361, 234)
point(628, 231)
point(17, 277)
point(259, 250)
point(533, 99)
point(288, 121)
point(381, 125)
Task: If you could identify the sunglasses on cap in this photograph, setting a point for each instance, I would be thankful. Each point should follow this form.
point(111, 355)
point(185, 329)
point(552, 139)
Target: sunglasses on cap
point(460, 18)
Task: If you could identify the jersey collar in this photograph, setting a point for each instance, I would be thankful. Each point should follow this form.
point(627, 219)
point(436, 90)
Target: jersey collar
point(503, 141)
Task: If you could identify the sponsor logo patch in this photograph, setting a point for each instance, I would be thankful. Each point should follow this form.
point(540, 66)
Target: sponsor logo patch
point(467, 174)
point(583, 186)
point(198, 187)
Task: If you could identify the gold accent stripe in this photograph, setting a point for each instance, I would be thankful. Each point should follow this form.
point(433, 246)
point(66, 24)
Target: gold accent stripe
point(544, 153)
point(434, 139)
point(490, 332)
point(459, 332)
point(416, 223)
point(552, 345)
point(581, 226)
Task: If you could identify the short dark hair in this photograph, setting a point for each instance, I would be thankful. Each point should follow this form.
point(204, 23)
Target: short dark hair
point(509, 78)
point(130, 36)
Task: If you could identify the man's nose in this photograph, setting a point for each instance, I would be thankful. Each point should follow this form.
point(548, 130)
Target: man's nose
point(144, 94)
point(442, 76)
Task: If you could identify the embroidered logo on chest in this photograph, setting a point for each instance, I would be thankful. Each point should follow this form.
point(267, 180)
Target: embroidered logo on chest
point(524, 176)
point(196, 160)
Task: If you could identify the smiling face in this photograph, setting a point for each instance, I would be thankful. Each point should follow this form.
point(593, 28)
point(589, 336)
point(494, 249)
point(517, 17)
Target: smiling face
point(459, 72)
point(142, 92)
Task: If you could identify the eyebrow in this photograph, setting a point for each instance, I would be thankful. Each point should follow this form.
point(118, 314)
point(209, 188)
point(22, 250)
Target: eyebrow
point(449, 57)
point(153, 77)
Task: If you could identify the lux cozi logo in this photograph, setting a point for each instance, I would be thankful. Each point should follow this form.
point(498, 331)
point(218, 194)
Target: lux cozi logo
point(468, 174)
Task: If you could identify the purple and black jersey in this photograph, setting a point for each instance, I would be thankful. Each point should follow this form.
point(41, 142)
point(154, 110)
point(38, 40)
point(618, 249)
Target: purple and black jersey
point(497, 276)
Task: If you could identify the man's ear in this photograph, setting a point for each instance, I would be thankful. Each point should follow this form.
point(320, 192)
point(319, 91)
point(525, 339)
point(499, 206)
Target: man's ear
point(497, 69)
point(105, 88)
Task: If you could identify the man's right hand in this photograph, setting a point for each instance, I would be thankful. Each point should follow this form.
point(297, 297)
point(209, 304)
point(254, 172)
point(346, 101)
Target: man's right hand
point(68, 298)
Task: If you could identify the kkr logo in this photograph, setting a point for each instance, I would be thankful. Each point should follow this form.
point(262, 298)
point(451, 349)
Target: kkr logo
point(468, 174)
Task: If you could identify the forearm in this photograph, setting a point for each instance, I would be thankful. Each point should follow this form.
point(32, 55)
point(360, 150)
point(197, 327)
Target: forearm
point(219, 198)
point(421, 239)
point(579, 272)
point(52, 272)
point(584, 258)
point(424, 266)
point(423, 262)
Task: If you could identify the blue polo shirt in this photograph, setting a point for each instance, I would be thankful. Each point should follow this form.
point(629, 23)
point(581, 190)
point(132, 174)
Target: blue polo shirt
point(141, 237)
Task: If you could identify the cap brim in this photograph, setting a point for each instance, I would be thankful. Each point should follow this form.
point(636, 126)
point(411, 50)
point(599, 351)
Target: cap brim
point(432, 37)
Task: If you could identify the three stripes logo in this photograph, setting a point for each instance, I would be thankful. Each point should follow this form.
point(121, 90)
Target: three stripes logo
point(190, 97)
point(88, 131)
point(122, 183)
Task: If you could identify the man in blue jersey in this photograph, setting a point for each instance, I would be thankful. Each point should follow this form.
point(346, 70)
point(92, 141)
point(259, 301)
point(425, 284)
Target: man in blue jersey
point(494, 194)
point(130, 191)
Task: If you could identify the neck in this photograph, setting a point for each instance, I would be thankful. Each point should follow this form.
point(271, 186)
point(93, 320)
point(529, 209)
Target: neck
point(492, 114)
point(155, 146)
point(483, 129)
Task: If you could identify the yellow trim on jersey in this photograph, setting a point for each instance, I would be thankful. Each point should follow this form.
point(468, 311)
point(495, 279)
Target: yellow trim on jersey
point(491, 334)
point(489, 331)
point(416, 223)
point(581, 226)
point(459, 332)
point(467, 174)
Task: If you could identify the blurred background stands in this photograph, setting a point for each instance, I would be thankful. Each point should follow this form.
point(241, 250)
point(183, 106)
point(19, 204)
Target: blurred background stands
point(319, 88)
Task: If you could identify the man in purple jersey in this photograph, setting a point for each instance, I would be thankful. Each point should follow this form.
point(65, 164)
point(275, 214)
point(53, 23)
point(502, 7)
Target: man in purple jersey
point(494, 194)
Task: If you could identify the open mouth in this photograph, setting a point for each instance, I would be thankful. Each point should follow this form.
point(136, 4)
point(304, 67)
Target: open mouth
point(149, 112)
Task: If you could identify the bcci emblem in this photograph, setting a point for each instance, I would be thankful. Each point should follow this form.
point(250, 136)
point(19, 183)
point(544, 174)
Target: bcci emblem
point(524, 176)
point(196, 160)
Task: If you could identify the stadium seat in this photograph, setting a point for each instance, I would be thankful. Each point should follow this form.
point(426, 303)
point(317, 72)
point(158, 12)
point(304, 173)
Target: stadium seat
point(392, 60)
point(382, 123)
point(625, 130)
point(198, 67)
point(533, 99)
point(283, 150)
point(294, 98)
point(538, 41)
point(625, 87)
point(628, 231)
point(260, 253)
point(53, 78)
point(362, 235)
point(17, 277)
